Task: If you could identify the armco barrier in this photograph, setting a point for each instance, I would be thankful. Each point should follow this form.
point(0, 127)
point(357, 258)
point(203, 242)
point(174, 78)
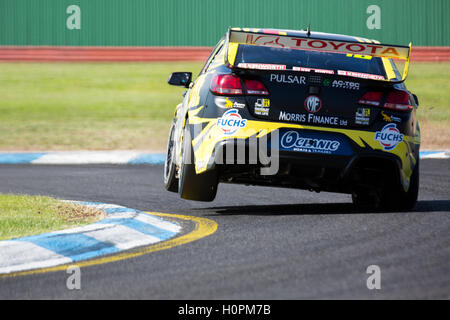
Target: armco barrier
point(133, 54)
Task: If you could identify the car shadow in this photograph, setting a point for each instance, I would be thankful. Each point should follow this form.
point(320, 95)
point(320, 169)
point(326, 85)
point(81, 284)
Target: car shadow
point(319, 208)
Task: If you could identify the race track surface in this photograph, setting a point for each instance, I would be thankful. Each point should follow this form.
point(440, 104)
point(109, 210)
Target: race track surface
point(270, 243)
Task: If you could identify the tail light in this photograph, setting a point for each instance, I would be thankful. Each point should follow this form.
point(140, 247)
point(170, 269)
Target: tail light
point(371, 98)
point(398, 100)
point(256, 87)
point(228, 84)
point(395, 100)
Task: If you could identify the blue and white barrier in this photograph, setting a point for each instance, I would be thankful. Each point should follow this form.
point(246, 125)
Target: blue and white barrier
point(122, 229)
point(82, 157)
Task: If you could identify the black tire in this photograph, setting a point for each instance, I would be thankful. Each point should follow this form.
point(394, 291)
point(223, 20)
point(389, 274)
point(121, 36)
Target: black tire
point(193, 186)
point(405, 201)
point(169, 178)
point(390, 199)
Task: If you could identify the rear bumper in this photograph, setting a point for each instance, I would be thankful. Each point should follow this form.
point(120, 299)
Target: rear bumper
point(330, 159)
point(364, 167)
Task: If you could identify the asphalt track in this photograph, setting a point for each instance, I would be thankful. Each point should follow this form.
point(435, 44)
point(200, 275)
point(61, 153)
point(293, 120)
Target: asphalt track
point(270, 243)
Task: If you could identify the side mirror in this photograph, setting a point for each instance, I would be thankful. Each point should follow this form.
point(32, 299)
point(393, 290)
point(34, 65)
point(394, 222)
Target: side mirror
point(416, 99)
point(180, 79)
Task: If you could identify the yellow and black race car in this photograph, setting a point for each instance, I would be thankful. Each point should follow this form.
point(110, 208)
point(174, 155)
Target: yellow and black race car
point(297, 109)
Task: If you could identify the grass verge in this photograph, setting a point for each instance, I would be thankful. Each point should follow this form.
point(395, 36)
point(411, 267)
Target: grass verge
point(104, 106)
point(22, 215)
point(430, 82)
point(91, 106)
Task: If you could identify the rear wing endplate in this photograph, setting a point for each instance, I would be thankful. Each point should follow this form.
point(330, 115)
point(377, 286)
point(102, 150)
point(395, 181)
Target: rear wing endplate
point(280, 39)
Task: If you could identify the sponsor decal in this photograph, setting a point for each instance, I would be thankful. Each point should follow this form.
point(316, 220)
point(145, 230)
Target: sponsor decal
point(360, 75)
point(312, 69)
point(389, 137)
point(359, 56)
point(282, 78)
point(326, 82)
point(262, 107)
point(314, 142)
point(261, 66)
point(321, 45)
point(311, 118)
point(228, 103)
point(293, 141)
point(345, 85)
point(294, 117)
point(390, 118)
point(362, 116)
point(231, 121)
point(313, 104)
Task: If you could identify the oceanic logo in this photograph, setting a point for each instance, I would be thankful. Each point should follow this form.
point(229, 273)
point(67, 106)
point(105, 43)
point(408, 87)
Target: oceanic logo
point(313, 104)
point(231, 121)
point(292, 140)
point(389, 136)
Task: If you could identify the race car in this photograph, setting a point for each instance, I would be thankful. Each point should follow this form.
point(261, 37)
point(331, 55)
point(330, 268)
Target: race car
point(298, 109)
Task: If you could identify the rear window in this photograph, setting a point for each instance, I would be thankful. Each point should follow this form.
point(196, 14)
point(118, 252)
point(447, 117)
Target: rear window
point(310, 59)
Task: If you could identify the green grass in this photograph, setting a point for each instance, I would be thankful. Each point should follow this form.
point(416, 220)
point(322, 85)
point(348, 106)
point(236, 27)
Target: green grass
point(22, 215)
point(87, 105)
point(100, 106)
point(430, 82)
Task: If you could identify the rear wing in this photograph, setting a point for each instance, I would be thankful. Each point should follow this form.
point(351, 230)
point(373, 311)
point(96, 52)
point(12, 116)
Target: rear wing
point(280, 39)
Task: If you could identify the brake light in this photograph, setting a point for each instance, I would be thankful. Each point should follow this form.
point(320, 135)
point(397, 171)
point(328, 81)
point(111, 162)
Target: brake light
point(371, 98)
point(226, 84)
point(398, 100)
point(256, 87)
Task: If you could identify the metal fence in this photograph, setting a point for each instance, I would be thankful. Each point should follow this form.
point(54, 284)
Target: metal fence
point(203, 22)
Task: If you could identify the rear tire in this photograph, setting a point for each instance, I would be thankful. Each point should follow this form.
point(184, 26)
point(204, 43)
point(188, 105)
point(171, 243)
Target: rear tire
point(399, 200)
point(193, 186)
point(390, 199)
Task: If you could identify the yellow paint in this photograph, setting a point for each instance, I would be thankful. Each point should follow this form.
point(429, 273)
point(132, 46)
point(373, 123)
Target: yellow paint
point(360, 56)
point(405, 70)
point(194, 95)
point(386, 117)
point(232, 51)
point(388, 67)
point(203, 228)
point(193, 114)
point(228, 103)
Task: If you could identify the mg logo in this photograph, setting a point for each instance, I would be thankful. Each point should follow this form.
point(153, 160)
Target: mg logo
point(313, 104)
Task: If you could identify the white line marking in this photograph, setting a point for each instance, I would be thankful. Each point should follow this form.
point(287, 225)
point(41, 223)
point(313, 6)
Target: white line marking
point(159, 223)
point(87, 157)
point(22, 255)
point(122, 237)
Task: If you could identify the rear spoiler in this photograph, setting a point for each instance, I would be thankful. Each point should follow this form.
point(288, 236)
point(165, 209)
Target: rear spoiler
point(280, 39)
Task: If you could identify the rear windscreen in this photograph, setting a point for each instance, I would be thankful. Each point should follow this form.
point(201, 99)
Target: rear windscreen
point(310, 59)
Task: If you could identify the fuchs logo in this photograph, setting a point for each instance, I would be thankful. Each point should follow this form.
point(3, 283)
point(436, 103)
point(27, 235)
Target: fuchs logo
point(231, 121)
point(389, 136)
point(313, 104)
point(292, 140)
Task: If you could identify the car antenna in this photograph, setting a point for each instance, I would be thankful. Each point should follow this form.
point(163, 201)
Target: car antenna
point(308, 30)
